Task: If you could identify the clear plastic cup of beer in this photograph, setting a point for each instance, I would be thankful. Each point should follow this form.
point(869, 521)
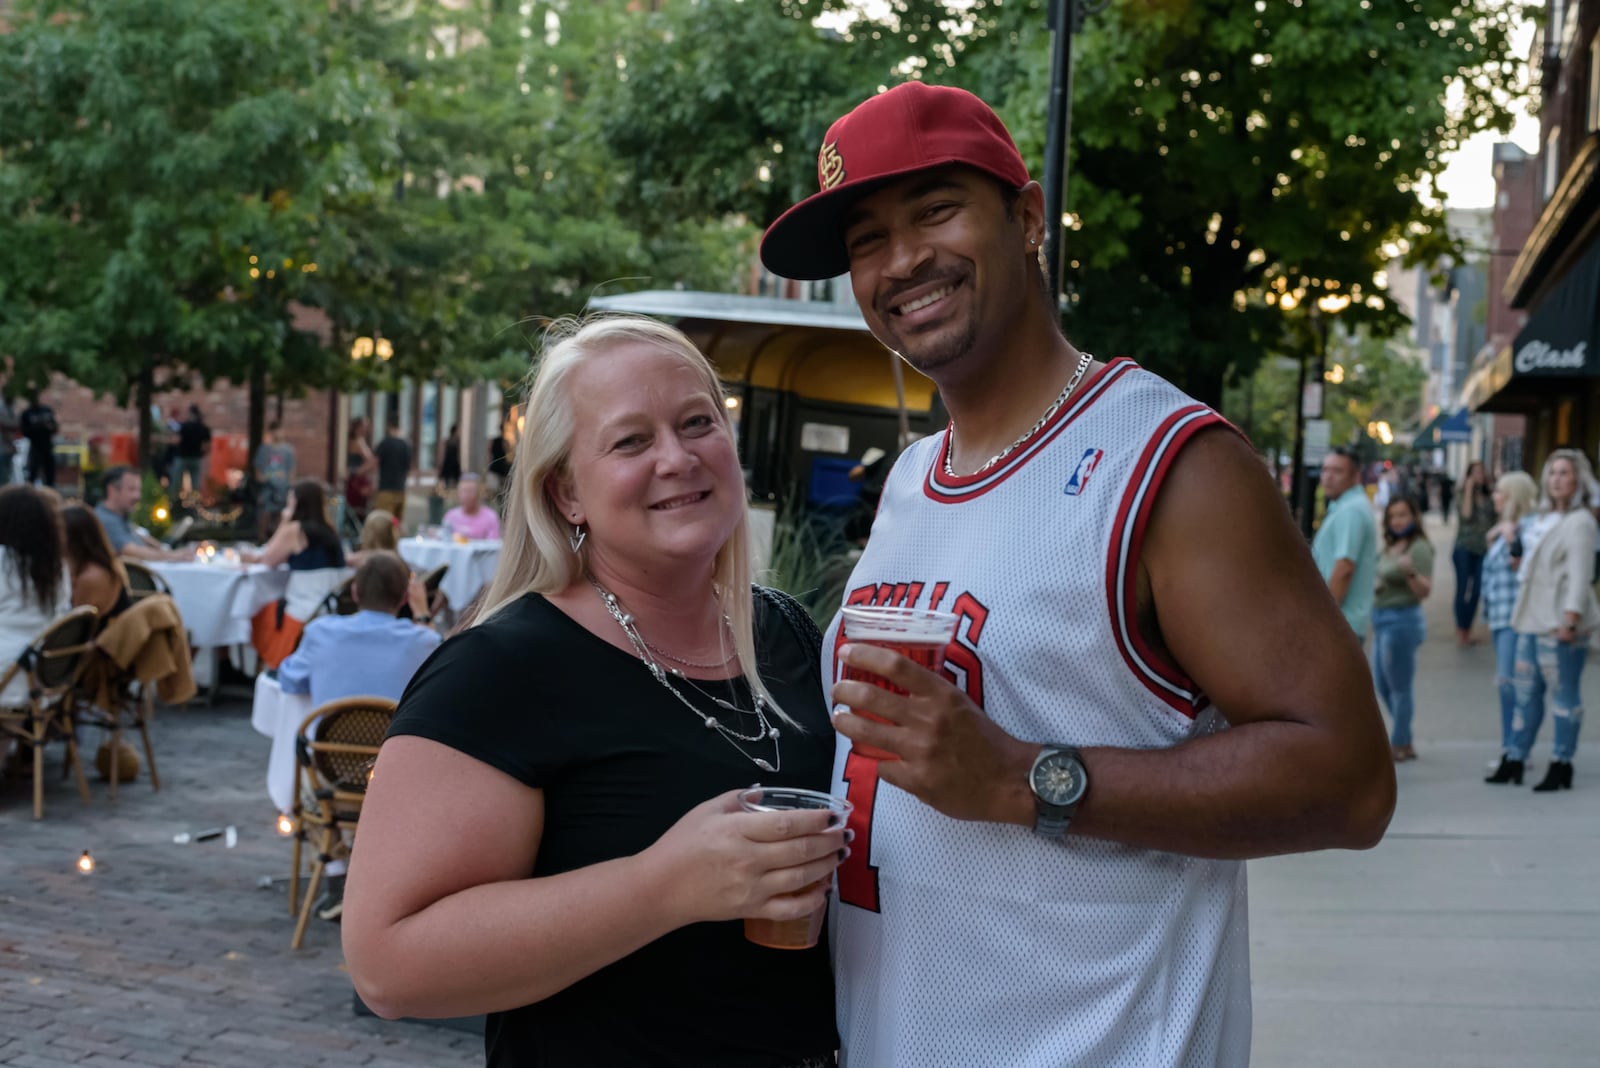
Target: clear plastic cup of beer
point(921, 635)
point(801, 933)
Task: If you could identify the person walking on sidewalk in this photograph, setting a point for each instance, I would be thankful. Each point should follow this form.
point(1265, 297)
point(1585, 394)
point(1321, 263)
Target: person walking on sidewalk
point(1346, 545)
point(394, 469)
point(1555, 615)
point(1405, 577)
point(1475, 514)
point(1515, 497)
point(189, 458)
point(39, 427)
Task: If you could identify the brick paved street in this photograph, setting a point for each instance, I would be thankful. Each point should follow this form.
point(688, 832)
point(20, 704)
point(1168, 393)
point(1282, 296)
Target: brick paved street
point(169, 954)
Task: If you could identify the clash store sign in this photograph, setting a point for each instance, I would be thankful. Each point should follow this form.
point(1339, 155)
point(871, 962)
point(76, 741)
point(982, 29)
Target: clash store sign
point(1542, 358)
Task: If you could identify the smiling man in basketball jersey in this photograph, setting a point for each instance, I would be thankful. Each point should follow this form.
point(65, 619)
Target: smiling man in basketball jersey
point(1149, 683)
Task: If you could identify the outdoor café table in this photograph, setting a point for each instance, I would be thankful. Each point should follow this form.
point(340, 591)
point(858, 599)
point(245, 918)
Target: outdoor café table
point(218, 599)
point(278, 715)
point(471, 563)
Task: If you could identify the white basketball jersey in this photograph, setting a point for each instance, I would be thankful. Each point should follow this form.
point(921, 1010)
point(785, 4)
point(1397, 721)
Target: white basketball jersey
point(974, 944)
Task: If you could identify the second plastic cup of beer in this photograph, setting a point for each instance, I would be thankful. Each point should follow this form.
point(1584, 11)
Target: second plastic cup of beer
point(803, 932)
point(918, 634)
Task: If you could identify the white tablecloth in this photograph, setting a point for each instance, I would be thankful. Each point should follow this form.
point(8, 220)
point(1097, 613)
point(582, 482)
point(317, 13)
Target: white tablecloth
point(471, 565)
point(278, 715)
point(217, 600)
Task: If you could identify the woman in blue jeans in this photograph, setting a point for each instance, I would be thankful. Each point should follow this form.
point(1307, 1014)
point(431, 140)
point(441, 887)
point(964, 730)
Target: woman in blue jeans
point(1405, 576)
point(1516, 496)
point(1556, 614)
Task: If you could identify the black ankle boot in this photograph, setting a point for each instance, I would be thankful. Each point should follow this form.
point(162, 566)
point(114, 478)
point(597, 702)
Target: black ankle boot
point(1508, 771)
point(1559, 777)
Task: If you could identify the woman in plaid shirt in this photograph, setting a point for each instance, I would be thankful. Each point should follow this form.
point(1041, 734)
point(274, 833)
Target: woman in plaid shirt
point(1515, 496)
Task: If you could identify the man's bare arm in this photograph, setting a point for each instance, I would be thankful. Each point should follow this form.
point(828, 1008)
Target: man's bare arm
point(1305, 764)
point(1234, 599)
point(1339, 582)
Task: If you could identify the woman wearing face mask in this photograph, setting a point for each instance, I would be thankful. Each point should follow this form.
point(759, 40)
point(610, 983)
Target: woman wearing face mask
point(1405, 577)
point(1555, 615)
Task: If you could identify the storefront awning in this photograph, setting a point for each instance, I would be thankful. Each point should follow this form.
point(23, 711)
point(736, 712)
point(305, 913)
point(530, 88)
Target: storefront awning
point(1559, 346)
point(1446, 428)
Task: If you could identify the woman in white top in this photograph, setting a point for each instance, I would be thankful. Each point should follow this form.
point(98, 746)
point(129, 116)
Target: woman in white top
point(35, 588)
point(1555, 615)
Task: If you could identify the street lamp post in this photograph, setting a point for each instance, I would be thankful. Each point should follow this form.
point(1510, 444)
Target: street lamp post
point(1062, 20)
point(1313, 401)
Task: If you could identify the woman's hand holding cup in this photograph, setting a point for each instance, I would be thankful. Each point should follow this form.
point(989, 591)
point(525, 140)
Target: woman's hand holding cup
point(722, 861)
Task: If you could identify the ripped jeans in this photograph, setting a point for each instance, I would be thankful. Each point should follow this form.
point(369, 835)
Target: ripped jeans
point(1505, 680)
point(1546, 665)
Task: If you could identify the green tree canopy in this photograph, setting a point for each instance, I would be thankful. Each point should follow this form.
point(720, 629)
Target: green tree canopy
point(167, 171)
point(1224, 154)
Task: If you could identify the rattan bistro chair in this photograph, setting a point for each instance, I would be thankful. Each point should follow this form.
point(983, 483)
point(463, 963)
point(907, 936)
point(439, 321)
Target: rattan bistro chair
point(51, 665)
point(335, 749)
point(142, 581)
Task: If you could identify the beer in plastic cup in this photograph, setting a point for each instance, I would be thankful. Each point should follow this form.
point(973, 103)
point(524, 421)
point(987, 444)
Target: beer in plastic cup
point(918, 634)
point(799, 933)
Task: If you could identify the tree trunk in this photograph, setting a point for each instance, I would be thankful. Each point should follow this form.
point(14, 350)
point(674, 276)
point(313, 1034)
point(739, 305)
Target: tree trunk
point(142, 394)
point(258, 413)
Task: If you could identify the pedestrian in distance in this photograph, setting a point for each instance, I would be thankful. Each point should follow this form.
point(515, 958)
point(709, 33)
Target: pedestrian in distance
point(1556, 615)
point(1404, 580)
point(1475, 514)
point(394, 471)
point(39, 427)
point(1516, 496)
point(1346, 544)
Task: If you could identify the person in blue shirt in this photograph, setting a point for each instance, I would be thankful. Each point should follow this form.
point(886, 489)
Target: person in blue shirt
point(369, 654)
point(1346, 545)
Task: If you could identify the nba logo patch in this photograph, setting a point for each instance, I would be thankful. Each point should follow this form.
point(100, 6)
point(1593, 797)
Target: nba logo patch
point(1080, 478)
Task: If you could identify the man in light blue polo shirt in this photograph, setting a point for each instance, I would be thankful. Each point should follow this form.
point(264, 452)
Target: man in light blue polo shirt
point(369, 654)
point(1346, 545)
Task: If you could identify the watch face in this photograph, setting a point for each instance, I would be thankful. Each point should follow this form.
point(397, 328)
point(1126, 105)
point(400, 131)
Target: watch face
point(1058, 779)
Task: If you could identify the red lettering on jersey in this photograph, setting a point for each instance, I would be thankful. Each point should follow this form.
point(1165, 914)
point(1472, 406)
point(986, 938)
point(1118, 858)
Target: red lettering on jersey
point(938, 594)
point(962, 653)
point(858, 876)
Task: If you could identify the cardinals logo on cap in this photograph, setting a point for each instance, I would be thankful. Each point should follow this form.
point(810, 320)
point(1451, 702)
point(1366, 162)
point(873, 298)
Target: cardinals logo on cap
point(830, 165)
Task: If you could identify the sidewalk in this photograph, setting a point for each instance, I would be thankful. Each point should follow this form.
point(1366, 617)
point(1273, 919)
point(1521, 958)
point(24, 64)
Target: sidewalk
point(1471, 935)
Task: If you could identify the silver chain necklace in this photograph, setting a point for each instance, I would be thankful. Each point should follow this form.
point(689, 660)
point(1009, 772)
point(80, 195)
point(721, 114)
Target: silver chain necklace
point(764, 728)
point(690, 663)
point(1084, 360)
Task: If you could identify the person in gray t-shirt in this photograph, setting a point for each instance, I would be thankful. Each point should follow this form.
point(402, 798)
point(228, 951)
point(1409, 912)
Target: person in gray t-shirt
point(122, 493)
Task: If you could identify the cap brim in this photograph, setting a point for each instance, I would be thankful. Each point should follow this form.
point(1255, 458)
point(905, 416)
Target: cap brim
point(806, 242)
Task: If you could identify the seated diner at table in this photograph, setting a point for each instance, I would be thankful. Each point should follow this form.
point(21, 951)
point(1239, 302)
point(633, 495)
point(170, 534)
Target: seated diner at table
point(98, 577)
point(471, 519)
point(306, 542)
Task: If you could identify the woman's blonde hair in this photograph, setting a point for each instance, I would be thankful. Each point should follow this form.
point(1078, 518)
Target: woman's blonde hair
point(1584, 495)
point(536, 554)
point(1520, 493)
point(377, 532)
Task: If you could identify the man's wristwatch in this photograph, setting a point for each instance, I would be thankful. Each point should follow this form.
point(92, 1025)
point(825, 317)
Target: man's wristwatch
point(1058, 780)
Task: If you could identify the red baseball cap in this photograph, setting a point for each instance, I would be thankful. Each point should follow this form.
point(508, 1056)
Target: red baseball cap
point(910, 128)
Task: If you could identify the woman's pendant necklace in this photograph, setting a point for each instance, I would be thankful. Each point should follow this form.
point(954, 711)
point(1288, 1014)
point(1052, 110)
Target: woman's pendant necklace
point(764, 730)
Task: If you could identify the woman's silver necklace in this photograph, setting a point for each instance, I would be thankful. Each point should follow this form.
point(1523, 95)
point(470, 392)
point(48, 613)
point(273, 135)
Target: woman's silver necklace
point(663, 654)
point(1084, 360)
point(764, 729)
